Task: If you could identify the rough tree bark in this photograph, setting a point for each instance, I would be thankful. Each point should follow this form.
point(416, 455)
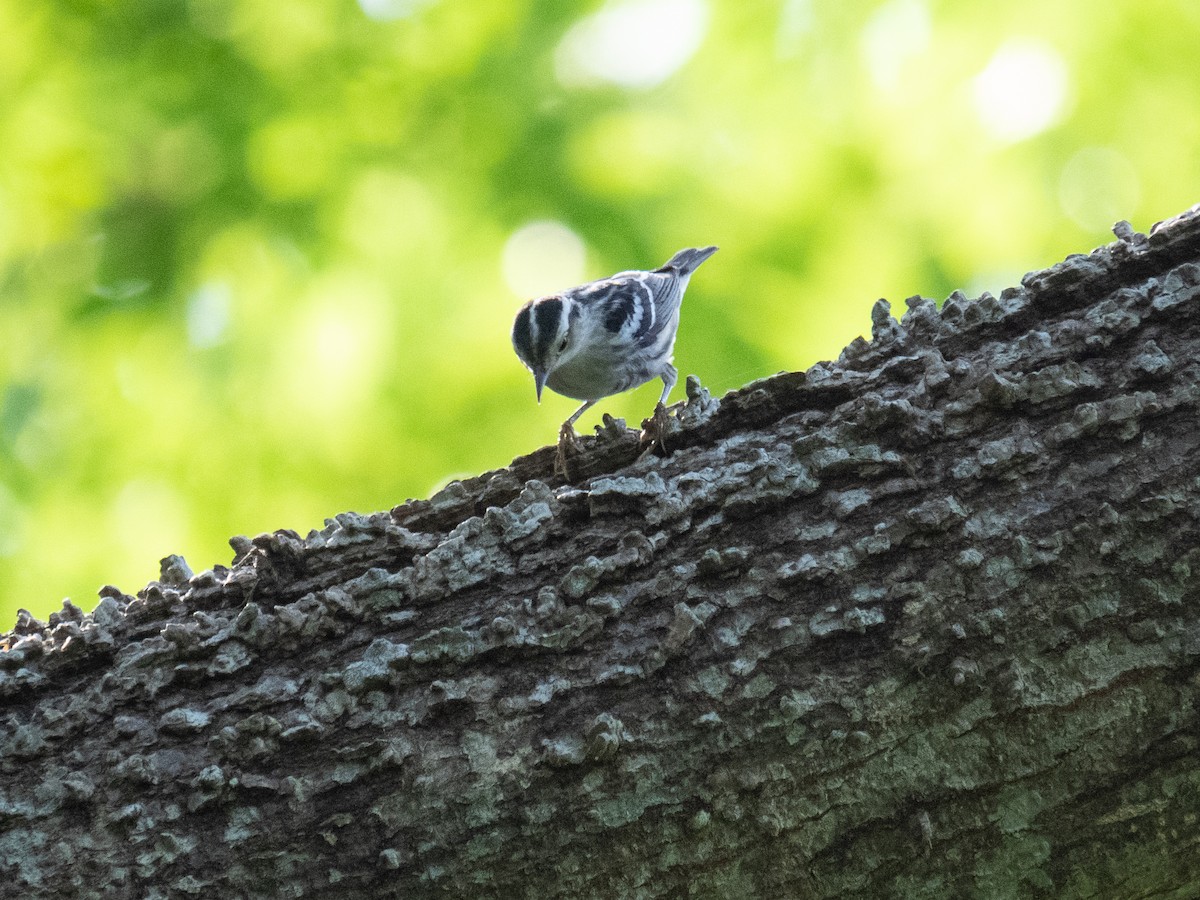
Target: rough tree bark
point(920, 622)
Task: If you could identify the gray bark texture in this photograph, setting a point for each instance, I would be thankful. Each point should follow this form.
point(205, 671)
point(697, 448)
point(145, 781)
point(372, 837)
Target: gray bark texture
point(921, 622)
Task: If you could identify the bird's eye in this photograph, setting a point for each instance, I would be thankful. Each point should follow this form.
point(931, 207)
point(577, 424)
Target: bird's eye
point(562, 346)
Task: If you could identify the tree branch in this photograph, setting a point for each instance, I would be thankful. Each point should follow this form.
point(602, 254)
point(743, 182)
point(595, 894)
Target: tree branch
point(918, 622)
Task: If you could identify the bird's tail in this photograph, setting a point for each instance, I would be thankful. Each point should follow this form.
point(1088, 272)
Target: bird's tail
point(685, 262)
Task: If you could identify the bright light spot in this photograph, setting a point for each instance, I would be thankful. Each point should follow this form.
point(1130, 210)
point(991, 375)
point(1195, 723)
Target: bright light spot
point(1098, 187)
point(1022, 90)
point(152, 520)
point(395, 220)
point(341, 334)
point(208, 314)
point(633, 43)
point(896, 33)
point(542, 257)
point(335, 340)
point(796, 22)
point(388, 10)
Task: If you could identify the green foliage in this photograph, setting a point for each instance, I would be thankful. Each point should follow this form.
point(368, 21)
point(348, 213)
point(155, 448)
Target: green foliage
point(258, 260)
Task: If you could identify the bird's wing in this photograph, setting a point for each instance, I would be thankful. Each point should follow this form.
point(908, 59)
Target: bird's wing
point(635, 306)
point(667, 291)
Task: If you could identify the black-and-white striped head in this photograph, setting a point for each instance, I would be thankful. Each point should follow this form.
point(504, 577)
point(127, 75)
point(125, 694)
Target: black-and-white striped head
point(541, 335)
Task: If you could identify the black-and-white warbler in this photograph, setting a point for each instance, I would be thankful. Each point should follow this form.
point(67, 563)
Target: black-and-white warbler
point(607, 336)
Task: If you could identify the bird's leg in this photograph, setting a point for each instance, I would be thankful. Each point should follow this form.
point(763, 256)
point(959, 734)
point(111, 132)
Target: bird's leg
point(654, 429)
point(569, 424)
point(669, 376)
point(568, 441)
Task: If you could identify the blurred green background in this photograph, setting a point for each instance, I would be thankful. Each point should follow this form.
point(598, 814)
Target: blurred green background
point(259, 260)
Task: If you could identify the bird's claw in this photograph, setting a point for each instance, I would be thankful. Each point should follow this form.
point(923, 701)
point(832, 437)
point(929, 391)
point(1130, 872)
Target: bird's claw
point(568, 448)
point(654, 430)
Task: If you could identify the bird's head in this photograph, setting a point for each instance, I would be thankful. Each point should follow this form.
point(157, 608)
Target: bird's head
point(541, 336)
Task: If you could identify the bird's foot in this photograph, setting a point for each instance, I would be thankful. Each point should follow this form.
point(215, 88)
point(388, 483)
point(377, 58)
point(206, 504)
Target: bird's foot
point(568, 448)
point(654, 431)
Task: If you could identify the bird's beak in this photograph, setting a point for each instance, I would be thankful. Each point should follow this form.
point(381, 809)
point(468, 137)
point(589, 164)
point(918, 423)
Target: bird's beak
point(539, 381)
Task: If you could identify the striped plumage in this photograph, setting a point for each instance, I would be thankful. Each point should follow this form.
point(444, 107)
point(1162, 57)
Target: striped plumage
point(608, 336)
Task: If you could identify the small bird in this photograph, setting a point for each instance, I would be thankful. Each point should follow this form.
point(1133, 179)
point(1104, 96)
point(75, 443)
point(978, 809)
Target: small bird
point(607, 336)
